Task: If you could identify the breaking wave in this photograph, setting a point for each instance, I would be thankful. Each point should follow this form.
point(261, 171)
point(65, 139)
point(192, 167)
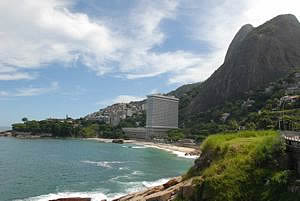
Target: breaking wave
point(135, 147)
point(149, 184)
point(105, 164)
point(95, 196)
point(178, 153)
point(129, 187)
point(138, 147)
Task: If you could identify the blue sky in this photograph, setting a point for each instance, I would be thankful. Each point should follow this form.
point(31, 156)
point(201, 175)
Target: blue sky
point(74, 57)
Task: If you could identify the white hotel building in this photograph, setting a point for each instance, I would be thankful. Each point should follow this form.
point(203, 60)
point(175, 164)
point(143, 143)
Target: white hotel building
point(162, 115)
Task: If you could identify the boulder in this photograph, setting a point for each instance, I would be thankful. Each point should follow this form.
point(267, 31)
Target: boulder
point(118, 141)
point(203, 161)
point(170, 183)
point(193, 153)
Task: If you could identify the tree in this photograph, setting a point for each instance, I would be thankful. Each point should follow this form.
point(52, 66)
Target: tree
point(19, 127)
point(250, 126)
point(175, 135)
point(24, 119)
point(233, 125)
point(90, 131)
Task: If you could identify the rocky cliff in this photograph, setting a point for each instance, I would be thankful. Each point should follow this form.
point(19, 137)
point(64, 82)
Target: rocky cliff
point(248, 165)
point(166, 192)
point(255, 57)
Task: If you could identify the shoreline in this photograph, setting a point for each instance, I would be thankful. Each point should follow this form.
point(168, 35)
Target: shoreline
point(180, 151)
point(99, 195)
point(177, 149)
point(167, 190)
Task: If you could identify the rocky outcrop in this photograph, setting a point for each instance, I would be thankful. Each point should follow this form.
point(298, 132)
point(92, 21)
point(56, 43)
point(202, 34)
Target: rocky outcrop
point(118, 141)
point(170, 183)
point(176, 187)
point(255, 57)
point(5, 134)
point(193, 153)
point(203, 161)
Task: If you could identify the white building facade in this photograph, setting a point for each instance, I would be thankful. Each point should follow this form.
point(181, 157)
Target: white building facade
point(162, 115)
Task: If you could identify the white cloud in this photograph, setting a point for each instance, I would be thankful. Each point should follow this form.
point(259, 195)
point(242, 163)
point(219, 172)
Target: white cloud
point(258, 12)
point(120, 99)
point(36, 33)
point(30, 91)
point(139, 60)
point(3, 93)
point(127, 99)
point(154, 91)
point(17, 76)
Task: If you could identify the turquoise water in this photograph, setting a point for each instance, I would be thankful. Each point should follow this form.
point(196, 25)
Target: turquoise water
point(43, 169)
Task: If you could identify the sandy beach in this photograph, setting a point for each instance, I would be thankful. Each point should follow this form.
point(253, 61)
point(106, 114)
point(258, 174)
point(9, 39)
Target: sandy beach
point(186, 152)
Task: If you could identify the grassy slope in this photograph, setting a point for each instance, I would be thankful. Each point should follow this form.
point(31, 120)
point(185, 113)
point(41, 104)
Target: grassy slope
point(246, 166)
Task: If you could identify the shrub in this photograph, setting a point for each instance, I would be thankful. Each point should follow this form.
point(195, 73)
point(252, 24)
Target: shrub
point(245, 166)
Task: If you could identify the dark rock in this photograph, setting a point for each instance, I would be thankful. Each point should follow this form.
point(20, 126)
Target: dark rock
point(193, 153)
point(170, 183)
point(203, 161)
point(5, 134)
point(118, 141)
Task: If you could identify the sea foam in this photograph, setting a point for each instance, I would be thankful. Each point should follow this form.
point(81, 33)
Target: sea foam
point(177, 153)
point(130, 187)
point(105, 164)
point(150, 184)
point(95, 196)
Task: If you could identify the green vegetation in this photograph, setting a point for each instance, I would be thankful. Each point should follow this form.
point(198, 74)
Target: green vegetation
point(258, 109)
point(57, 128)
point(69, 128)
point(78, 127)
point(90, 131)
point(137, 120)
point(248, 165)
point(175, 135)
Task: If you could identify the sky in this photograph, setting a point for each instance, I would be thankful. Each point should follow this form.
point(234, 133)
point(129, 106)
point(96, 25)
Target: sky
point(73, 57)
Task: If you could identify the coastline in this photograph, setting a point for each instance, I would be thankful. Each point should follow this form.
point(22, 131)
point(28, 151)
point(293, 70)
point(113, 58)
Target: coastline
point(167, 190)
point(180, 151)
point(156, 188)
point(164, 192)
point(177, 149)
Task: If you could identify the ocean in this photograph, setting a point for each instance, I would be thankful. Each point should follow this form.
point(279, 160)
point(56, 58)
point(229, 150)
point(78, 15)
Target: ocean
point(44, 169)
point(4, 128)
